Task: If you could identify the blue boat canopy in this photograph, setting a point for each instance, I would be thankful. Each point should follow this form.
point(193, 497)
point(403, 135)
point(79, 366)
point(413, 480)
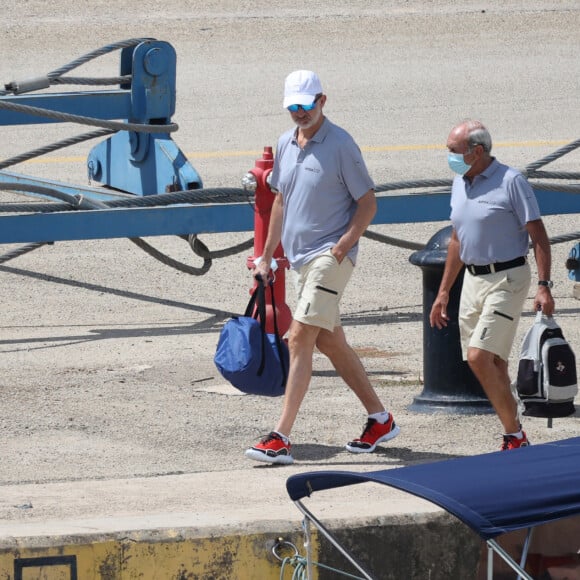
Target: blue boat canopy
point(493, 494)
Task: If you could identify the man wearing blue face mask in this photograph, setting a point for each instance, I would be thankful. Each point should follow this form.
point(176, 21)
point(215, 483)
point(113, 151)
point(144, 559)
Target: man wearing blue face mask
point(494, 213)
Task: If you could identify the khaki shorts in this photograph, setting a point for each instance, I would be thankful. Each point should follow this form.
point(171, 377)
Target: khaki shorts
point(320, 285)
point(490, 309)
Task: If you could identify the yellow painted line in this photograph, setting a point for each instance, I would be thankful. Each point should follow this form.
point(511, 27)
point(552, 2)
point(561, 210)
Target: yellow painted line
point(369, 149)
point(214, 154)
point(42, 160)
point(196, 155)
point(532, 143)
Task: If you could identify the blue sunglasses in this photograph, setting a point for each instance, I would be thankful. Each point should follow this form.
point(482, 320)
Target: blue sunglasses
point(296, 108)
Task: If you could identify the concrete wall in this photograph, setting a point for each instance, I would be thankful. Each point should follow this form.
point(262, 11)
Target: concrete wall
point(434, 546)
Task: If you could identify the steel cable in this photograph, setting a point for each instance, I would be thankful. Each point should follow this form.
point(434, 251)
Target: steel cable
point(54, 147)
point(557, 187)
point(529, 169)
point(91, 121)
point(20, 251)
point(53, 76)
point(554, 175)
point(214, 195)
point(413, 184)
point(95, 54)
point(104, 81)
point(71, 200)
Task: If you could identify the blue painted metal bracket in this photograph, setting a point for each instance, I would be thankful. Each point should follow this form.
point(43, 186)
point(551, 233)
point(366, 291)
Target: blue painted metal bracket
point(222, 217)
point(142, 164)
point(139, 163)
point(99, 194)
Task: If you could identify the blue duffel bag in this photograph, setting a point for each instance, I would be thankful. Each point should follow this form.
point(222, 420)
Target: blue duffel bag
point(252, 360)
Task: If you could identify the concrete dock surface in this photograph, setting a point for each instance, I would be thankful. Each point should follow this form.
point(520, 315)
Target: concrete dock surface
point(118, 437)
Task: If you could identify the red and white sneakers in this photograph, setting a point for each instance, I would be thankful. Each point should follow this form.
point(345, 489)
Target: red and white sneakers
point(271, 449)
point(512, 442)
point(373, 434)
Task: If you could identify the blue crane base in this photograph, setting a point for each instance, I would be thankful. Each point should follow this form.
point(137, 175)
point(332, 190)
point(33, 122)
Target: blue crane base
point(184, 219)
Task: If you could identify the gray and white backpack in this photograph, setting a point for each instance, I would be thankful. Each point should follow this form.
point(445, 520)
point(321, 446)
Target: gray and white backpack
point(547, 380)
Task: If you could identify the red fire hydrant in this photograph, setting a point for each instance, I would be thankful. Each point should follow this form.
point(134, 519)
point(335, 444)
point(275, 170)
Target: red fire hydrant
point(264, 200)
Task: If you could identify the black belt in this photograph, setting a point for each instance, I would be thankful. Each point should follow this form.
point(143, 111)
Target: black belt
point(497, 267)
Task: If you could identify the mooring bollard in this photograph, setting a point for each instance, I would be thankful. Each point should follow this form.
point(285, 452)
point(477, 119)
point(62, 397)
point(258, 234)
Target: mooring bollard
point(449, 383)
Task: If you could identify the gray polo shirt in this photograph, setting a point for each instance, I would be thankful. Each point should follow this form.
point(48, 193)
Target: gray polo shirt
point(490, 214)
point(320, 185)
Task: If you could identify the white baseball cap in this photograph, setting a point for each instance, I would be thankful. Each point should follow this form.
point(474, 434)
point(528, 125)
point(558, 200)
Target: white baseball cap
point(301, 88)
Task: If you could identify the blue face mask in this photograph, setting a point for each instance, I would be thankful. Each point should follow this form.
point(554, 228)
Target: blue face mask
point(457, 163)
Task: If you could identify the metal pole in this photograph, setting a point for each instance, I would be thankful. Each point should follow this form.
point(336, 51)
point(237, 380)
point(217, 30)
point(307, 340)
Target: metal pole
point(332, 539)
point(508, 560)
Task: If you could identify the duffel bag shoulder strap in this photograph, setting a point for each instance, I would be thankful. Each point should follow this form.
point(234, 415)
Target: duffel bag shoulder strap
point(277, 334)
point(256, 308)
point(251, 311)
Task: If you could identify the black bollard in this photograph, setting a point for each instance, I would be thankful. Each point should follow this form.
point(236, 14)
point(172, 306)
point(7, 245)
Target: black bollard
point(449, 384)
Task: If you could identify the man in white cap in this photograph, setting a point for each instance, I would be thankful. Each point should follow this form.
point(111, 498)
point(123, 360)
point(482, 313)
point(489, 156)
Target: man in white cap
point(324, 202)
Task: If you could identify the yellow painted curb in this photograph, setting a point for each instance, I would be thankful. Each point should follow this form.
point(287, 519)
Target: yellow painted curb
point(160, 555)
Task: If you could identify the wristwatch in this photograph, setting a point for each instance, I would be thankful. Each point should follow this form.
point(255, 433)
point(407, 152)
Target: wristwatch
point(547, 283)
